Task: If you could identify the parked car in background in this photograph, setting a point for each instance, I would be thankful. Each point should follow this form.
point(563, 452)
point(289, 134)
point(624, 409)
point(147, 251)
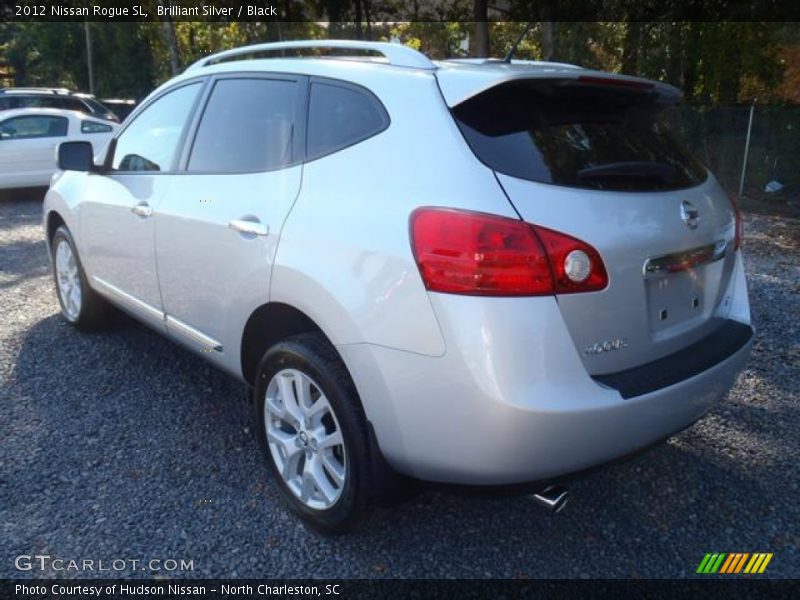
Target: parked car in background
point(121, 107)
point(29, 138)
point(62, 98)
point(466, 272)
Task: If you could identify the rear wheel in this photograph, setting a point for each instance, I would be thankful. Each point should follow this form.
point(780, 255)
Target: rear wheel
point(313, 432)
point(80, 304)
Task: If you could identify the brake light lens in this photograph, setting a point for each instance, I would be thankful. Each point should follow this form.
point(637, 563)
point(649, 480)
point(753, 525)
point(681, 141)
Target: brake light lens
point(474, 253)
point(612, 82)
point(739, 224)
point(462, 252)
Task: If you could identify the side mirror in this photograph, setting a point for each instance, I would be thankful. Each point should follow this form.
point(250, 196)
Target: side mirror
point(76, 156)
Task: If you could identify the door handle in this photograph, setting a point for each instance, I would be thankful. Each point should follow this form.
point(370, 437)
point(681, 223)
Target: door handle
point(142, 209)
point(251, 227)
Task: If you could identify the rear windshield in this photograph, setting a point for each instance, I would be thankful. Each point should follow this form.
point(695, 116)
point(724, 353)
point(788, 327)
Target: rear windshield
point(95, 106)
point(576, 136)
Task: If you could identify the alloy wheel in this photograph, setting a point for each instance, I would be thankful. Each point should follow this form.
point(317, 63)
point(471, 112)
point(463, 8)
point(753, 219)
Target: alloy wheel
point(305, 439)
point(68, 280)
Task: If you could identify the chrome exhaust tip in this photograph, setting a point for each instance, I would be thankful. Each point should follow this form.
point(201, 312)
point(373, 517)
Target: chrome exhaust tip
point(553, 498)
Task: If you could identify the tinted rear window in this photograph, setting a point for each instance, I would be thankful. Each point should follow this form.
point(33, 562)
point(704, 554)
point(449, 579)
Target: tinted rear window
point(587, 138)
point(340, 116)
point(95, 106)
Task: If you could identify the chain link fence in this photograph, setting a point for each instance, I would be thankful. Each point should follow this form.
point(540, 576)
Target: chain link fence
point(718, 136)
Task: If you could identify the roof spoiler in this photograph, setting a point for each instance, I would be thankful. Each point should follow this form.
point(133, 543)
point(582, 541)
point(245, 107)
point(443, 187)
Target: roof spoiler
point(459, 84)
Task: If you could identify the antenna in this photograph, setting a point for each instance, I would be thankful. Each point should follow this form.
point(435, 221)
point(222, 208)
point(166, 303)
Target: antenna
point(513, 50)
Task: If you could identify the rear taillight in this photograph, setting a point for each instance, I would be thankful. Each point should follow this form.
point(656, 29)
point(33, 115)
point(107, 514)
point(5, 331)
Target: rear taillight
point(564, 252)
point(461, 252)
point(475, 253)
point(739, 224)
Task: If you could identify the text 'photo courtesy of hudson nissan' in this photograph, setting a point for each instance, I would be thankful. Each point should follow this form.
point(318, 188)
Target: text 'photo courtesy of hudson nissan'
point(439, 293)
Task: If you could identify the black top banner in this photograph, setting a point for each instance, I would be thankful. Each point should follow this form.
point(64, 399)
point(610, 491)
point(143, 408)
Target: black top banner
point(379, 11)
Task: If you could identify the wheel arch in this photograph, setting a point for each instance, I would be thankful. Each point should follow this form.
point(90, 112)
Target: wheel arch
point(267, 325)
point(58, 211)
point(274, 321)
point(53, 221)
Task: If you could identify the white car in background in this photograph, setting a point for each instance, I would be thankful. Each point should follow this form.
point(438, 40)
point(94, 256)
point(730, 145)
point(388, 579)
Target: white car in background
point(29, 138)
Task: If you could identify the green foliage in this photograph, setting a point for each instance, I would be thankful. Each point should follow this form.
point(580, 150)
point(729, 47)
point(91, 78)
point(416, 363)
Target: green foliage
point(718, 63)
point(54, 54)
point(30, 50)
point(436, 40)
point(502, 37)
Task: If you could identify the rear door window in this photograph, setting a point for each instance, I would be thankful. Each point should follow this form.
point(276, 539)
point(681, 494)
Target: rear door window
point(586, 138)
point(340, 115)
point(248, 125)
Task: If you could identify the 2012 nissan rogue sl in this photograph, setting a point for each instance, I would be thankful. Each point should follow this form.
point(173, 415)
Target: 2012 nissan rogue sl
point(465, 271)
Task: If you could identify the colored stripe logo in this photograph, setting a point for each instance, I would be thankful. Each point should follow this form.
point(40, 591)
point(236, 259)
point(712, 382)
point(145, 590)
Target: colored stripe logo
point(734, 562)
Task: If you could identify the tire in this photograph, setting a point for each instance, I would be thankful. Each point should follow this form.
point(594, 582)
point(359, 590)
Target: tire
point(80, 305)
point(327, 484)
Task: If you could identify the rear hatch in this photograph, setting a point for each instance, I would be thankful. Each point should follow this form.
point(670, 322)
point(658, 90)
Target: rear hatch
point(587, 155)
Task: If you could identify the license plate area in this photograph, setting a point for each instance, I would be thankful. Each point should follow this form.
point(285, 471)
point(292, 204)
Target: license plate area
point(678, 294)
point(675, 300)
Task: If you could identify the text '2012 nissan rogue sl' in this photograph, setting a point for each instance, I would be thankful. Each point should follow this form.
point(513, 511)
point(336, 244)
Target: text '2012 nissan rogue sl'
point(468, 272)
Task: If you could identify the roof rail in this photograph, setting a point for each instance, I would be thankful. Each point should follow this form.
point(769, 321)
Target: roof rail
point(397, 54)
point(33, 90)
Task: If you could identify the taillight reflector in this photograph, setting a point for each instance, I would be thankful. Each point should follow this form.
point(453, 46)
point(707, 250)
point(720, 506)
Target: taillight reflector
point(558, 247)
point(463, 252)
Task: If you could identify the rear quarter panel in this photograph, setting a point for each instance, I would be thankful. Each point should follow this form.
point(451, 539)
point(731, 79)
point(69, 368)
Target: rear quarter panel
point(345, 256)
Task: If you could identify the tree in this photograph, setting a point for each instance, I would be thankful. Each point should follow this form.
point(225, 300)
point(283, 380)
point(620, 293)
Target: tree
point(548, 34)
point(632, 48)
point(714, 63)
point(481, 15)
point(172, 43)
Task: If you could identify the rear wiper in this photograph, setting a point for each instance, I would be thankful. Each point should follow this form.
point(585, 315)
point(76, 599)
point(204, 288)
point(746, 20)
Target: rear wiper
point(630, 169)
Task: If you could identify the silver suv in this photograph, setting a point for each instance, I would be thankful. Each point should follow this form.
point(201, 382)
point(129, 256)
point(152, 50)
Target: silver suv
point(467, 272)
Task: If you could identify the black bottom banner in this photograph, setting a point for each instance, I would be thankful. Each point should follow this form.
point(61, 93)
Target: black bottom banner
point(211, 589)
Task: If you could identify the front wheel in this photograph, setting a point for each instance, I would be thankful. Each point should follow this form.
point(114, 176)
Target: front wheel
point(80, 304)
point(313, 432)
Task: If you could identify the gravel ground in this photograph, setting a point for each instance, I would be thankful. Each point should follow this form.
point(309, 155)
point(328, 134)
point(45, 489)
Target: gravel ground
point(122, 445)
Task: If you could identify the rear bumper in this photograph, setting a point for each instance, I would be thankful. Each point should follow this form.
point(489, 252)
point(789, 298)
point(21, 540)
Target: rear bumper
point(728, 339)
point(511, 402)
